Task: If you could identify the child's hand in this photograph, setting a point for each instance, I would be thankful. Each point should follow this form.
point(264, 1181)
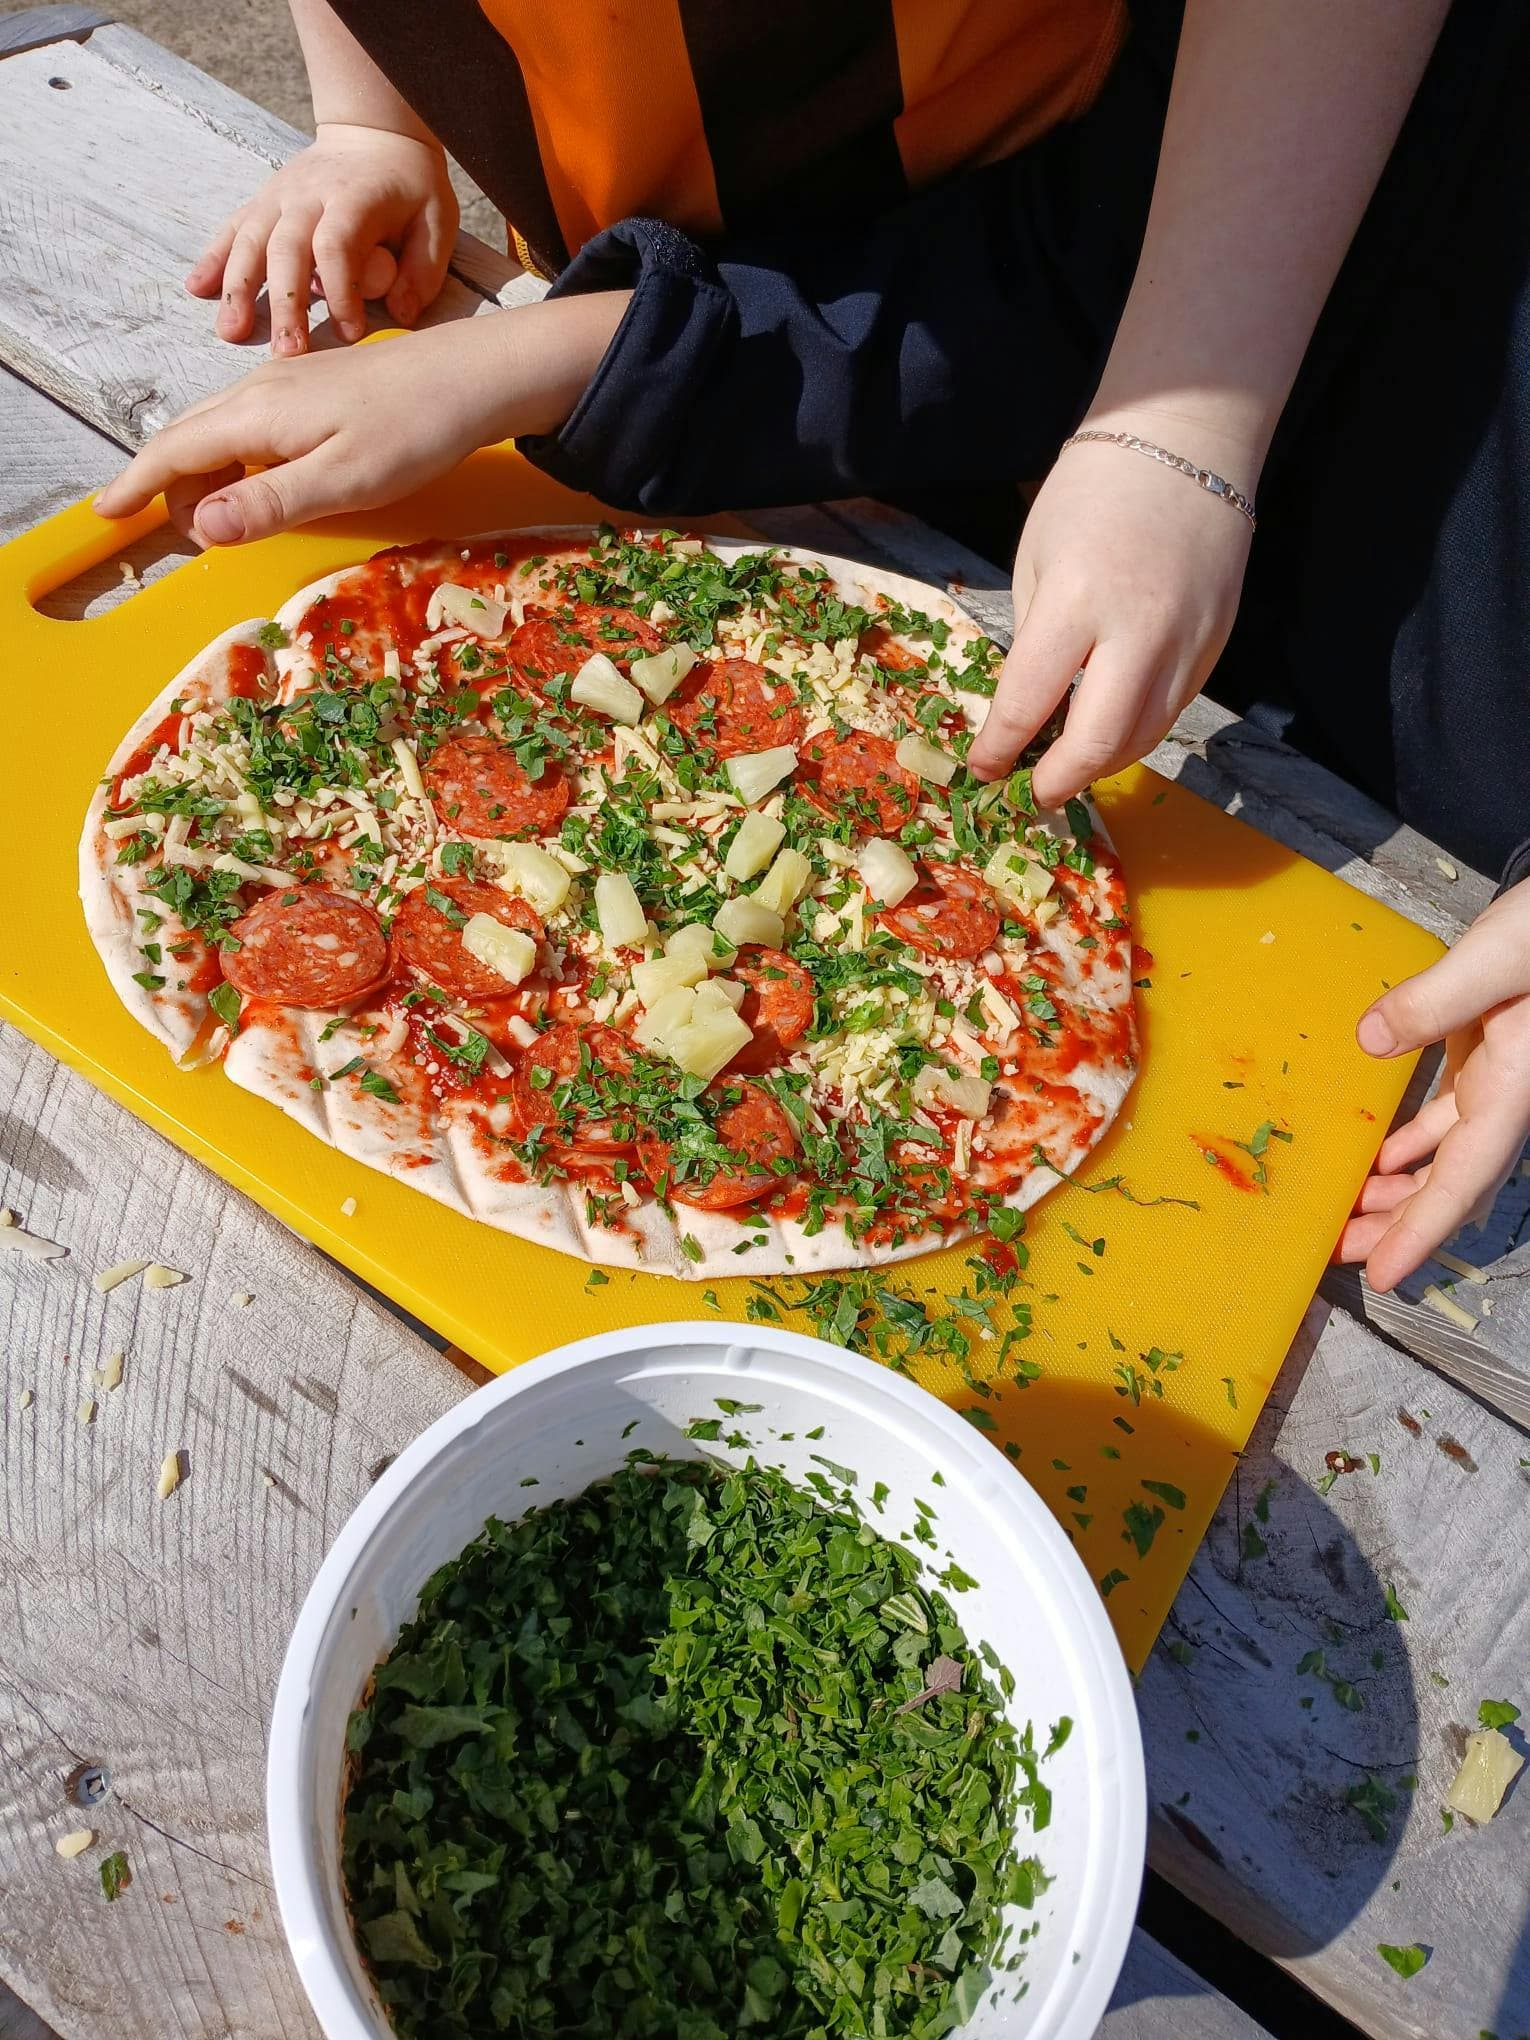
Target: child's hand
point(373, 212)
point(349, 430)
point(1468, 1138)
point(1129, 571)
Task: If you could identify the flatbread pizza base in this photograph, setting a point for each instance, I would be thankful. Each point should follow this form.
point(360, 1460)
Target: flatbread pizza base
point(112, 893)
point(441, 1158)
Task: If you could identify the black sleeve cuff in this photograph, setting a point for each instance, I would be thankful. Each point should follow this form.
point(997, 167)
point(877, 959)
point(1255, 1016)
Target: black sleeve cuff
point(618, 442)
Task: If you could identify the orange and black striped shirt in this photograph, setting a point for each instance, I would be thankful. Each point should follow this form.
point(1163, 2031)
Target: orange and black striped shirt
point(721, 115)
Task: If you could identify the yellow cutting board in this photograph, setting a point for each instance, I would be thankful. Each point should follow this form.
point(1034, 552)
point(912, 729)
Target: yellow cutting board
point(1157, 1326)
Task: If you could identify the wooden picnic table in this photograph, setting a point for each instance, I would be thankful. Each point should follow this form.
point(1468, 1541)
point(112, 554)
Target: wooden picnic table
point(1300, 1807)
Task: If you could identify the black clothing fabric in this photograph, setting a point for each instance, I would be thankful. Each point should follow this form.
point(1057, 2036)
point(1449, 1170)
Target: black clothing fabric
point(955, 339)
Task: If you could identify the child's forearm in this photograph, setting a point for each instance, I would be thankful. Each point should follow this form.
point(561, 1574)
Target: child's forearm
point(347, 86)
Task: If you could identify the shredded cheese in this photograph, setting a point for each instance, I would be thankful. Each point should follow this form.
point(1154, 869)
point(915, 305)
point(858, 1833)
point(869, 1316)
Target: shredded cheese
point(1447, 1307)
point(113, 1277)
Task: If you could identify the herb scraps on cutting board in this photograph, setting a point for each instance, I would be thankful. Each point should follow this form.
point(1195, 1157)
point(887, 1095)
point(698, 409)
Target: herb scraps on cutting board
point(693, 1755)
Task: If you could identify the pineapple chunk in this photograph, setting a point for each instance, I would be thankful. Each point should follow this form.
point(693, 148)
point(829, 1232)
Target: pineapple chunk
point(623, 924)
point(529, 873)
point(713, 1038)
point(662, 1027)
point(744, 920)
point(721, 991)
point(966, 1094)
point(661, 975)
point(757, 841)
point(918, 755)
point(1016, 876)
point(600, 686)
point(1488, 1770)
point(661, 672)
point(889, 873)
point(784, 884)
point(756, 773)
point(466, 608)
point(697, 939)
point(696, 1029)
point(510, 952)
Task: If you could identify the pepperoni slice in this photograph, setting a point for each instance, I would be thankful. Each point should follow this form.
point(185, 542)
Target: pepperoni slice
point(949, 913)
point(480, 787)
point(755, 1131)
point(430, 938)
point(859, 774)
point(312, 948)
point(778, 1005)
point(733, 706)
point(879, 643)
point(550, 642)
point(568, 1055)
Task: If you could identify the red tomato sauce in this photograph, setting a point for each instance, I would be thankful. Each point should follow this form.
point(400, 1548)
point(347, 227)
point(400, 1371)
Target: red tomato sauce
point(247, 674)
point(164, 735)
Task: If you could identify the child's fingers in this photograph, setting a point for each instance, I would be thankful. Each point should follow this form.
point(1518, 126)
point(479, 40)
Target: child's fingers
point(227, 433)
point(289, 270)
point(1360, 1235)
point(205, 277)
point(1421, 1136)
point(1471, 1164)
point(243, 274)
point(1385, 1193)
point(317, 485)
point(1049, 648)
point(1483, 970)
point(422, 263)
point(340, 242)
point(183, 495)
point(1102, 717)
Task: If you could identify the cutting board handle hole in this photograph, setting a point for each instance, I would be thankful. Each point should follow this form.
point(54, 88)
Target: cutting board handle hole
point(108, 583)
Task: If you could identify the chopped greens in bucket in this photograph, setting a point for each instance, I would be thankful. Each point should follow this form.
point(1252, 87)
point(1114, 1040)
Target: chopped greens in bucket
point(690, 1755)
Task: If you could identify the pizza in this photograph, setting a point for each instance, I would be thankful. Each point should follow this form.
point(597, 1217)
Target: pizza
point(625, 891)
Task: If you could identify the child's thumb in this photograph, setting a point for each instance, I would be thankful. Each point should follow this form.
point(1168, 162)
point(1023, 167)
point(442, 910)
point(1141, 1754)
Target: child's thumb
point(1483, 970)
point(270, 502)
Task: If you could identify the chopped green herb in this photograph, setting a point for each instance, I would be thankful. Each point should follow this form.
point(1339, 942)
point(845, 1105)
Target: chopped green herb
point(224, 1001)
point(584, 1800)
point(1497, 1713)
point(1406, 1961)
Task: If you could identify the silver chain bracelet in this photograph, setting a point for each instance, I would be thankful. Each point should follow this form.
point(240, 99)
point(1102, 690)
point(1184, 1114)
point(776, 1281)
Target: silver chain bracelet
point(1215, 485)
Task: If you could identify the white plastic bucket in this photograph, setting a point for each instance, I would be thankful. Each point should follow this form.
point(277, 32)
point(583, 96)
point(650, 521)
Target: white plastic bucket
point(565, 1418)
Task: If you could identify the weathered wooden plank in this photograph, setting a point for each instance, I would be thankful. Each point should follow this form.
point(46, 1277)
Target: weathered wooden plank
point(1158, 1998)
point(108, 191)
point(1250, 1756)
point(51, 457)
point(19, 2021)
point(490, 272)
point(35, 27)
point(1490, 1362)
point(147, 1635)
